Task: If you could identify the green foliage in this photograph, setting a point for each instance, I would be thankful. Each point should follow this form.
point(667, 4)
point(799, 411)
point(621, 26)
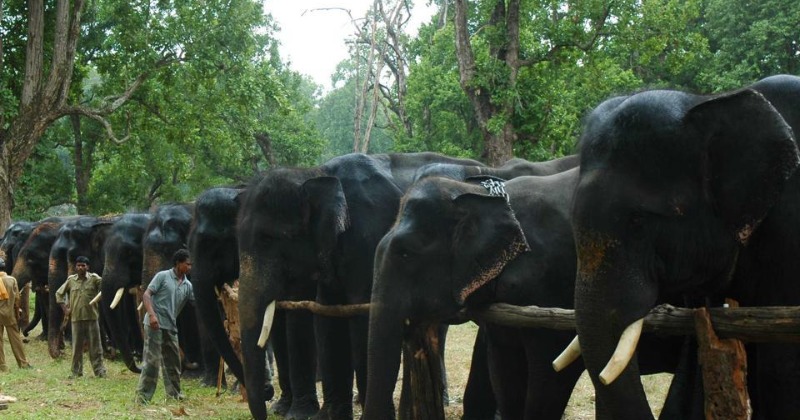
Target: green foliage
point(48, 179)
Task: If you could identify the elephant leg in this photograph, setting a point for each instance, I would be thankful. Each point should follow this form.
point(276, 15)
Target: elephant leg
point(778, 381)
point(442, 346)
point(302, 364)
point(507, 369)
point(281, 352)
point(479, 402)
point(359, 328)
point(548, 391)
point(333, 347)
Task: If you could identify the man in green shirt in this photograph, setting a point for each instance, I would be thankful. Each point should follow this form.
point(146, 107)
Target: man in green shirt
point(75, 297)
point(165, 297)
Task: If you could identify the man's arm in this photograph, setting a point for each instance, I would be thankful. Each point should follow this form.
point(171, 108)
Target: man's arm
point(61, 296)
point(147, 299)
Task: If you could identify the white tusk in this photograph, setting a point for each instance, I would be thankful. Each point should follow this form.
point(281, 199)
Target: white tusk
point(268, 315)
point(95, 299)
point(139, 308)
point(117, 297)
point(569, 355)
point(623, 353)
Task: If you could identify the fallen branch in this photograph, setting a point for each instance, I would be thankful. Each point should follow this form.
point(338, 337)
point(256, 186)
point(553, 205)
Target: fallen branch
point(327, 310)
point(750, 324)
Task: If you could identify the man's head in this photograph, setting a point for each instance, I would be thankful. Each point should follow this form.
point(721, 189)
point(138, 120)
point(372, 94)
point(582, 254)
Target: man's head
point(82, 265)
point(182, 261)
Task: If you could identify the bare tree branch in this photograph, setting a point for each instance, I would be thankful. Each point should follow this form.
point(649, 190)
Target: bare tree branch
point(34, 55)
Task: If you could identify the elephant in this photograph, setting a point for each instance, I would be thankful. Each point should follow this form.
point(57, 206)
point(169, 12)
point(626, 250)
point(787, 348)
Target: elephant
point(167, 232)
point(695, 197)
point(122, 272)
point(456, 245)
point(31, 266)
point(513, 168)
point(79, 236)
point(310, 233)
point(215, 253)
point(13, 239)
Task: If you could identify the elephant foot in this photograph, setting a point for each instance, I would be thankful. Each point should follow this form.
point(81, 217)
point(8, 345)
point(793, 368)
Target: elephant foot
point(335, 412)
point(303, 408)
point(269, 392)
point(281, 407)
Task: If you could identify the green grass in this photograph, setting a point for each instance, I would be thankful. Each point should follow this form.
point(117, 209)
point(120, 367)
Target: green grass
point(45, 392)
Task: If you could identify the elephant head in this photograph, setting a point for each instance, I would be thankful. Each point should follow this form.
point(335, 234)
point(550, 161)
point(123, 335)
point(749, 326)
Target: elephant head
point(672, 188)
point(166, 233)
point(121, 273)
point(83, 236)
point(289, 223)
point(214, 248)
point(450, 239)
point(31, 266)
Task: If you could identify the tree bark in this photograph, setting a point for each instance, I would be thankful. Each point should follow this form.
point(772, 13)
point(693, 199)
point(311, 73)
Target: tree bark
point(498, 146)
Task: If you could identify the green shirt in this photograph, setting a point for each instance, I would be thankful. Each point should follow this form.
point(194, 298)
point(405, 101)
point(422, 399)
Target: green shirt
point(80, 293)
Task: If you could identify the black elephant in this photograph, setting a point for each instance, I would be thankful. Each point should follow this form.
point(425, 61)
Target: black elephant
point(167, 232)
point(78, 236)
point(215, 254)
point(513, 168)
point(122, 272)
point(31, 266)
point(311, 234)
point(13, 239)
point(682, 195)
point(457, 244)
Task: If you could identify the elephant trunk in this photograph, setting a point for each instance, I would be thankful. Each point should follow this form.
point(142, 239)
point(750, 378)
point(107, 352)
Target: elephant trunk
point(604, 310)
point(119, 327)
point(251, 309)
point(56, 277)
point(383, 352)
point(206, 307)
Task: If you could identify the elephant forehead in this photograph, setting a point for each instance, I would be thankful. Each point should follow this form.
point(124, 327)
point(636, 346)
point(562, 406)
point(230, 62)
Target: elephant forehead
point(592, 250)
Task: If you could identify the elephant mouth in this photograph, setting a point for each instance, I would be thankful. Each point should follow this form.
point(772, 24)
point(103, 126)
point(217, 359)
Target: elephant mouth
point(626, 347)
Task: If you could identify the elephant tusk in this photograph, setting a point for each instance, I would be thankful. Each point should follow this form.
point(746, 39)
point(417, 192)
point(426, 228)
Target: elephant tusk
point(569, 355)
point(95, 299)
point(623, 353)
point(139, 308)
point(268, 315)
point(117, 297)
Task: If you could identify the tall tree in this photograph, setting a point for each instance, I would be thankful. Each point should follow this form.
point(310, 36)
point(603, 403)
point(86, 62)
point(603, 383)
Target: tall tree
point(140, 51)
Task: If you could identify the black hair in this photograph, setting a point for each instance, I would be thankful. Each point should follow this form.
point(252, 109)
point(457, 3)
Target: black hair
point(180, 256)
point(82, 259)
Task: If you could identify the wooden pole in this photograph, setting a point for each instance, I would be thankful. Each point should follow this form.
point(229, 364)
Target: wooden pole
point(724, 366)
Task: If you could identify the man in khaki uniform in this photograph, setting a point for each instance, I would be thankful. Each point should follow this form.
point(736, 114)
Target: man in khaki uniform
point(82, 288)
point(9, 310)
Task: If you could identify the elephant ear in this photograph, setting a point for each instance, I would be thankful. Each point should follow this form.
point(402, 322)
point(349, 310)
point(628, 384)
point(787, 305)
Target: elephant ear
point(326, 215)
point(751, 155)
point(486, 238)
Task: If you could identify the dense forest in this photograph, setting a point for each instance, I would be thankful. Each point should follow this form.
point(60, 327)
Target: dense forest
point(110, 105)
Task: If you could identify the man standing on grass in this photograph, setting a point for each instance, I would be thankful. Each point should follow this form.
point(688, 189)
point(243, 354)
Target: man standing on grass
point(75, 297)
point(163, 300)
point(9, 311)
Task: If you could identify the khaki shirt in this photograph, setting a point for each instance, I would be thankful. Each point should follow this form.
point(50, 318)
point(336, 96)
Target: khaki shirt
point(81, 292)
point(8, 311)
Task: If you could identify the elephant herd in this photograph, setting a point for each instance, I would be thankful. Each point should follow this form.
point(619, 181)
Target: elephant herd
point(672, 197)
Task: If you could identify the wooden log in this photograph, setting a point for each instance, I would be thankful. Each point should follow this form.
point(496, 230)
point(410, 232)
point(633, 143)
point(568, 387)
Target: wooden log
point(750, 324)
point(724, 366)
point(327, 310)
point(422, 395)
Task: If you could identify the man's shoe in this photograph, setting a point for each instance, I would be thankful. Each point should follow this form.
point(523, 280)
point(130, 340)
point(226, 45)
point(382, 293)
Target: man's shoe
point(100, 375)
point(140, 400)
point(28, 366)
point(74, 376)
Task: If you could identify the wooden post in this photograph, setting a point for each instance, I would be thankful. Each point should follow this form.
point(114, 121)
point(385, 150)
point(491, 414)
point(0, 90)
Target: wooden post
point(724, 366)
point(421, 397)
